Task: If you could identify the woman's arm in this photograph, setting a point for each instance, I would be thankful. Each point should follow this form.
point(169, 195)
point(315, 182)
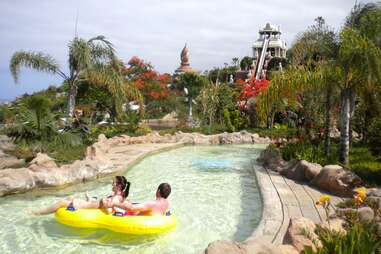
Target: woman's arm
point(144, 207)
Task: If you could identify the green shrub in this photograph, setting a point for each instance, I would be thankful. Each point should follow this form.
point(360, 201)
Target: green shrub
point(360, 239)
point(22, 152)
point(275, 133)
point(142, 130)
point(304, 150)
point(374, 137)
point(368, 170)
point(62, 155)
point(364, 164)
point(109, 131)
point(227, 120)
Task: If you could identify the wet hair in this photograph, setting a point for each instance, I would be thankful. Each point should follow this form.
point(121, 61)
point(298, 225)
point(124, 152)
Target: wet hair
point(164, 190)
point(124, 185)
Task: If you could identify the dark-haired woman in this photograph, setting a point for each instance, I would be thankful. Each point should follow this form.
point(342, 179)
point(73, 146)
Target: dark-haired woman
point(120, 191)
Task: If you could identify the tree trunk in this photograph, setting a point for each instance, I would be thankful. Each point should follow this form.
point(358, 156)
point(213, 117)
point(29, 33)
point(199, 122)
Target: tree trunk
point(344, 128)
point(327, 127)
point(190, 108)
point(367, 117)
point(352, 112)
point(71, 99)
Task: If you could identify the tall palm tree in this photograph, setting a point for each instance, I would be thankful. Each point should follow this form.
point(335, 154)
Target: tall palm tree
point(87, 58)
point(360, 61)
point(359, 57)
point(319, 46)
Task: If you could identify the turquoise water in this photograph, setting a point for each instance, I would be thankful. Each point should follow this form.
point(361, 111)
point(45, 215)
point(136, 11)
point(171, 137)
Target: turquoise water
point(214, 195)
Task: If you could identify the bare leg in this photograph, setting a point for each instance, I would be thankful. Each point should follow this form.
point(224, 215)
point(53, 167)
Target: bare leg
point(77, 203)
point(54, 207)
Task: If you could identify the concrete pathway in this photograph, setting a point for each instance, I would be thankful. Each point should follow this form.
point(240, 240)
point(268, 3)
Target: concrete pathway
point(284, 199)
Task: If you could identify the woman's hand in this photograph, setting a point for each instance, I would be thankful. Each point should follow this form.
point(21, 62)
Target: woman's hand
point(87, 196)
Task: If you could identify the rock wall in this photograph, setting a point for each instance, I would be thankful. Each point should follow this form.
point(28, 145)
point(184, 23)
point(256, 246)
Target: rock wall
point(6, 160)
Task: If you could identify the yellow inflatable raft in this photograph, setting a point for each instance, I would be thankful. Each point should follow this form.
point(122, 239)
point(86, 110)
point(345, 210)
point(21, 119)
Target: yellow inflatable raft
point(96, 218)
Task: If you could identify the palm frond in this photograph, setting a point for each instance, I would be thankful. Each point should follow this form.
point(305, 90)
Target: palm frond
point(101, 47)
point(80, 57)
point(34, 60)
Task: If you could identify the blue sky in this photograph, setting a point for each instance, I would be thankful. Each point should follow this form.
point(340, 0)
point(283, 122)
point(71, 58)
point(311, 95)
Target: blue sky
point(215, 30)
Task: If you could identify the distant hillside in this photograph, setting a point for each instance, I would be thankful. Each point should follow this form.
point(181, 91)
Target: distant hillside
point(4, 100)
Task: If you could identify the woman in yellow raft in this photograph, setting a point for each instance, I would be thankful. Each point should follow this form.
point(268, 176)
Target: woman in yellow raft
point(120, 191)
point(152, 216)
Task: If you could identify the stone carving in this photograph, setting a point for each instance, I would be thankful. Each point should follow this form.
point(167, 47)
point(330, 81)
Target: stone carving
point(185, 65)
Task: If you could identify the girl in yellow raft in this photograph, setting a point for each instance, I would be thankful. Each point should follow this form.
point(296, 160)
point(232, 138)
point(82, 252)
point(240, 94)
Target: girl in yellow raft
point(120, 191)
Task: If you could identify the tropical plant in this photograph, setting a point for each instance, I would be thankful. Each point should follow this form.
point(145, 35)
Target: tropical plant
point(360, 239)
point(209, 101)
point(92, 60)
point(191, 83)
point(360, 61)
point(318, 48)
point(374, 140)
point(246, 62)
point(35, 126)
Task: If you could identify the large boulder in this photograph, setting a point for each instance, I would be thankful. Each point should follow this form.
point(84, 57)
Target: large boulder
point(374, 192)
point(301, 233)
point(271, 158)
point(7, 161)
point(337, 180)
point(301, 170)
point(6, 143)
point(15, 180)
point(223, 246)
point(42, 161)
point(312, 170)
point(226, 138)
point(259, 246)
point(102, 138)
point(287, 249)
point(366, 214)
point(246, 247)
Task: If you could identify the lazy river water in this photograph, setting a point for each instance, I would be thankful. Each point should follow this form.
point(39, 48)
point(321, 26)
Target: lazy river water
point(214, 195)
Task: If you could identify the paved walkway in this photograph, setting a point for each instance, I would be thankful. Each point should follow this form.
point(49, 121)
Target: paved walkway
point(284, 199)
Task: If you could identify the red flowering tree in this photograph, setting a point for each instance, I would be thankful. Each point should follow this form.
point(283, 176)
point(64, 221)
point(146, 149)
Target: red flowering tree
point(250, 89)
point(153, 85)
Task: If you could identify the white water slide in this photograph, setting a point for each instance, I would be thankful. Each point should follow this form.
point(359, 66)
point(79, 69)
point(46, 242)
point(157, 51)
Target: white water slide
point(262, 57)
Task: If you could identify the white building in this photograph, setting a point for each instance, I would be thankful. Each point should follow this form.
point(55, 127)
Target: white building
point(276, 47)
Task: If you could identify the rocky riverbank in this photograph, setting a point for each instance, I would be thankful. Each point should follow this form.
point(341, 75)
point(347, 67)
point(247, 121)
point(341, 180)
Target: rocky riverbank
point(282, 231)
point(7, 160)
point(331, 178)
point(106, 157)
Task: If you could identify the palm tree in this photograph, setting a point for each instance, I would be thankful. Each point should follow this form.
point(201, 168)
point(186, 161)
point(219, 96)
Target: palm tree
point(360, 61)
point(319, 46)
point(120, 87)
point(87, 60)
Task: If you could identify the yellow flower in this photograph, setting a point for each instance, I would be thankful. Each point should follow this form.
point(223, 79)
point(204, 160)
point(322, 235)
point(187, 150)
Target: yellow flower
point(361, 192)
point(358, 200)
point(324, 198)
